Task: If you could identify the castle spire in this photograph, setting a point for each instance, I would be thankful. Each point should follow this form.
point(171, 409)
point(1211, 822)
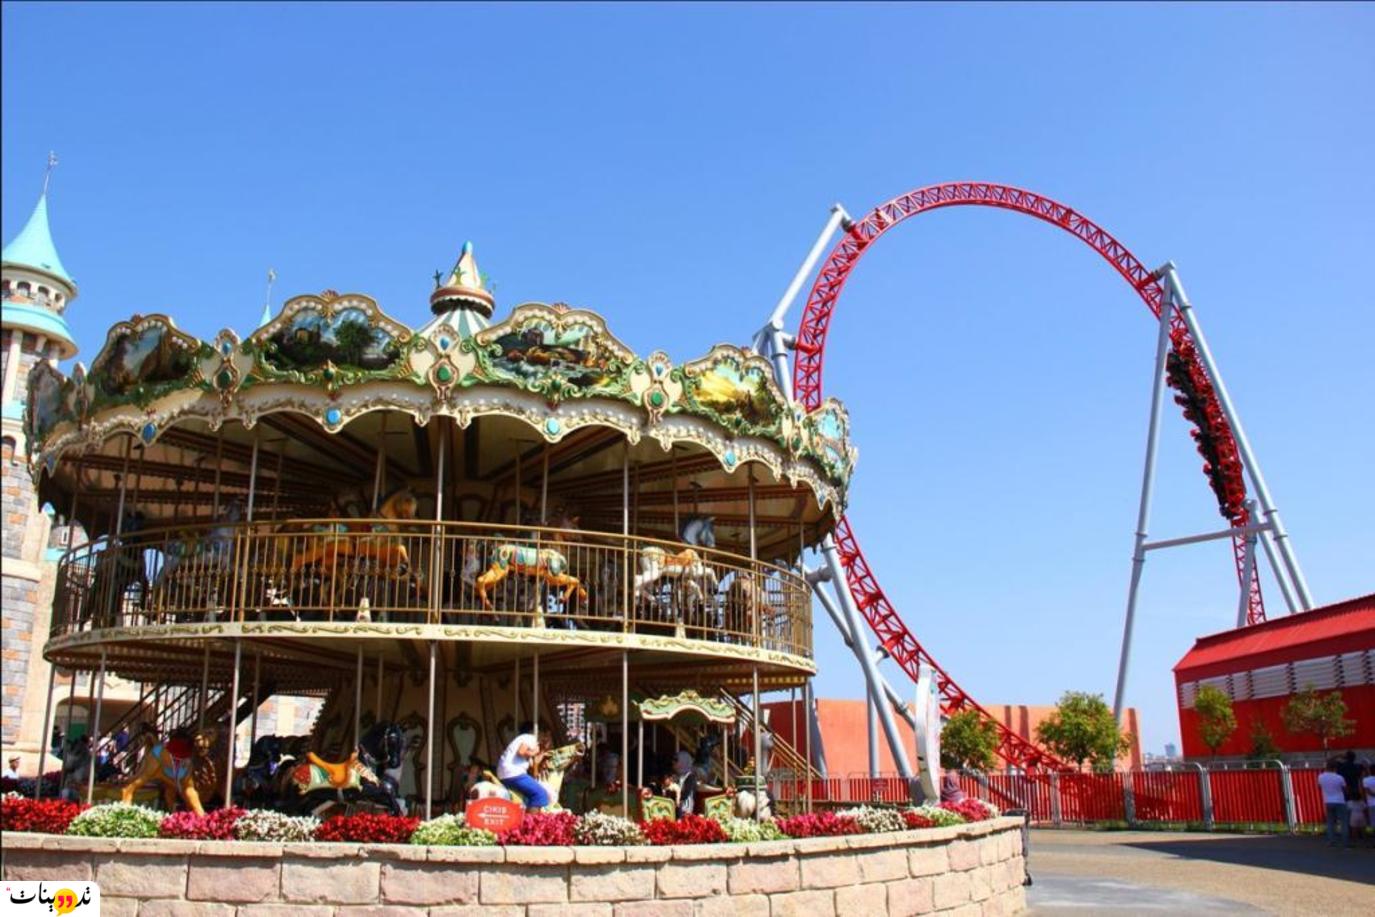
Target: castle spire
point(33, 247)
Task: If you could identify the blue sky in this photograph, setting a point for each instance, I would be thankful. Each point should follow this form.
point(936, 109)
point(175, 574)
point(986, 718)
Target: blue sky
point(669, 165)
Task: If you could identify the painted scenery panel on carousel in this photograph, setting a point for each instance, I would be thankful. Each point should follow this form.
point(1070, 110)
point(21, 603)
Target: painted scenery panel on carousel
point(830, 428)
point(312, 339)
point(557, 359)
point(142, 361)
point(735, 391)
point(51, 401)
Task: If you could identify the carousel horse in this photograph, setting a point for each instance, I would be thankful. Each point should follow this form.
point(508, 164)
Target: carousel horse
point(686, 567)
point(746, 603)
point(391, 556)
point(183, 765)
point(211, 552)
point(554, 766)
point(316, 783)
point(76, 769)
point(118, 569)
point(254, 784)
point(545, 564)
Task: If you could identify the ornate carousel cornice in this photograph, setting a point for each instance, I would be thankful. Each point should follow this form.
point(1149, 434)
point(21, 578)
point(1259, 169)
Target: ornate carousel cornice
point(335, 357)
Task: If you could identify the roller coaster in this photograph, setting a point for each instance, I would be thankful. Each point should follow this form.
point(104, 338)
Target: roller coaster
point(1183, 361)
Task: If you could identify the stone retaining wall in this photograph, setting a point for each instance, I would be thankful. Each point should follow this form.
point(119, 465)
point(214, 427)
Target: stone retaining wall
point(968, 870)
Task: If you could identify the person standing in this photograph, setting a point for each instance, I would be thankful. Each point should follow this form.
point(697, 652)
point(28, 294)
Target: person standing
point(12, 771)
point(1333, 789)
point(513, 768)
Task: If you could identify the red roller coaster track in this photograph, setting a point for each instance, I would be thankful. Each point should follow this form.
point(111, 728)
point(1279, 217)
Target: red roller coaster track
point(1212, 433)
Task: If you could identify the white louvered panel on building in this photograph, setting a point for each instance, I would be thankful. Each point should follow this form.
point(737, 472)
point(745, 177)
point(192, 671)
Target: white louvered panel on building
point(1241, 686)
point(1355, 669)
point(1271, 681)
point(1320, 674)
point(1187, 692)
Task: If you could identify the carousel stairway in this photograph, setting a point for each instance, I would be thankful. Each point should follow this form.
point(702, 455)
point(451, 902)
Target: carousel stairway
point(167, 709)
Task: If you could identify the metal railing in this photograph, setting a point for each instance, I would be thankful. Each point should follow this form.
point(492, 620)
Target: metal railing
point(1273, 796)
point(431, 572)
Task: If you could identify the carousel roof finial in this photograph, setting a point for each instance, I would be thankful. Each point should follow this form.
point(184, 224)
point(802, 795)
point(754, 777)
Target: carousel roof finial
point(465, 288)
point(267, 300)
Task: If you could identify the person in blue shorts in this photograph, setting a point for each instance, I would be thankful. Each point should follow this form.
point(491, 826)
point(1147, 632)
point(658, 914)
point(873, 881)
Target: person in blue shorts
point(513, 768)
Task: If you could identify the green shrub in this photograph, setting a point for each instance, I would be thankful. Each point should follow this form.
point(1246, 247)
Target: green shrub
point(116, 819)
point(450, 831)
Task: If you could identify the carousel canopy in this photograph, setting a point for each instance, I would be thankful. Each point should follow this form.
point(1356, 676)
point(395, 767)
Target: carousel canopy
point(333, 396)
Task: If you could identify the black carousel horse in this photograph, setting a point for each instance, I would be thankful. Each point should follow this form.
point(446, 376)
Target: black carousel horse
point(253, 786)
point(368, 779)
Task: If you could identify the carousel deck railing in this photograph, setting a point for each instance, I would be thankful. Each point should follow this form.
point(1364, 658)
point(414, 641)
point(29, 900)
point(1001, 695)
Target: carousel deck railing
point(409, 572)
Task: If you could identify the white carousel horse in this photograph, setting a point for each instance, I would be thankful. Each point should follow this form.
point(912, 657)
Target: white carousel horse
point(686, 567)
point(557, 761)
point(209, 554)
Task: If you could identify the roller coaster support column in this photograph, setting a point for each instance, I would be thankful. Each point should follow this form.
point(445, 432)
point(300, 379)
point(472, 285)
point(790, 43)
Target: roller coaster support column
point(770, 340)
point(861, 649)
point(1143, 512)
point(1248, 567)
point(815, 578)
point(1175, 291)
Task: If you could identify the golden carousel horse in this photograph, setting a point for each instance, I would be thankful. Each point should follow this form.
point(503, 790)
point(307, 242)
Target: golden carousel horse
point(184, 767)
point(545, 564)
point(390, 555)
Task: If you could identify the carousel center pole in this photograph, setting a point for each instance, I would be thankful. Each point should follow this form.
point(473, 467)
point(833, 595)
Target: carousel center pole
point(257, 701)
point(43, 736)
point(758, 640)
point(205, 688)
point(358, 699)
point(232, 727)
point(429, 740)
point(380, 674)
point(625, 732)
point(93, 734)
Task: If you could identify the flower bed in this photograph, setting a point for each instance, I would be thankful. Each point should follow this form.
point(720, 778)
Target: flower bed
point(538, 829)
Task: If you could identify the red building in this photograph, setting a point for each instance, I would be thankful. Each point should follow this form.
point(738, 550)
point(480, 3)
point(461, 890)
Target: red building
point(1262, 666)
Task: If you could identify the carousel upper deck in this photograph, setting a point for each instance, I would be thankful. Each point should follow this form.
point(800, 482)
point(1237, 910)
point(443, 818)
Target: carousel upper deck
point(339, 483)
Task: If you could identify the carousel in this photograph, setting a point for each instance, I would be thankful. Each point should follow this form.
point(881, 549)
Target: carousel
point(440, 533)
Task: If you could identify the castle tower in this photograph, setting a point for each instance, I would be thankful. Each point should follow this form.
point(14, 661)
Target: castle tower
point(36, 290)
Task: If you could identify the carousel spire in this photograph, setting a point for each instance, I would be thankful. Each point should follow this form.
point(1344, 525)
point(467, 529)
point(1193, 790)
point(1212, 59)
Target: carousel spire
point(464, 288)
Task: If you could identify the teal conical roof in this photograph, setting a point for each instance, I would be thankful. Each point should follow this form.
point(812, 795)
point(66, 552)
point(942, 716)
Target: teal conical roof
point(33, 247)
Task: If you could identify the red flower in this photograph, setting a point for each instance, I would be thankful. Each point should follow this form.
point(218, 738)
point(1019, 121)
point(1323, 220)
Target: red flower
point(690, 829)
point(542, 829)
point(212, 826)
point(917, 820)
point(819, 824)
point(41, 816)
point(971, 809)
point(368, 829)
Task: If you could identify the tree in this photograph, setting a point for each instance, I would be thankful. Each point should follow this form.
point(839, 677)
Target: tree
point(969, 740)
point(1322, 715)
point(1082, 728)
point(1263, 745)
point(1216, 721)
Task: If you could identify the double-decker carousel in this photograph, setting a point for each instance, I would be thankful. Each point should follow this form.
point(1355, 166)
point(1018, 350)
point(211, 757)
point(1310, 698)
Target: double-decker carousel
point(441, 533)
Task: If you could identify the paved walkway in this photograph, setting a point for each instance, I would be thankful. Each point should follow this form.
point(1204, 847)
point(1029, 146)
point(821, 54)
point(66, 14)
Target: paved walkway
point(1134, 872)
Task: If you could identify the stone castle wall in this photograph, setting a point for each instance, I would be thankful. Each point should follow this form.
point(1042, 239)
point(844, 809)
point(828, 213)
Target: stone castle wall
point(968, 870)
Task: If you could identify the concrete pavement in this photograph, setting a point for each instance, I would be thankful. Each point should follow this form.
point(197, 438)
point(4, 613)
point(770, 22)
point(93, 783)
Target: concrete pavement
point(1134, 872)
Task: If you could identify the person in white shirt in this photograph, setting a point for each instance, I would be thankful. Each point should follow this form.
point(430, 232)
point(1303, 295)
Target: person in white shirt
point(1333, 788)
point(513, 768)
point(12, 772)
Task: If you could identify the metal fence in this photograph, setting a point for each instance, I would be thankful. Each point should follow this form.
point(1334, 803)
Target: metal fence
point(1271, 795)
